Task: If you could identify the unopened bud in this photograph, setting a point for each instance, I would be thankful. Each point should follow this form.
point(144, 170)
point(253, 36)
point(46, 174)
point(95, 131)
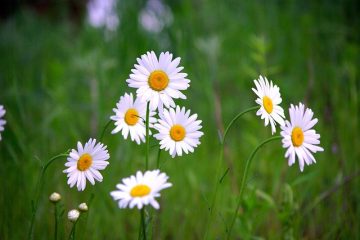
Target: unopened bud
point(55, 197)
point(83, 207)
point(73, 215)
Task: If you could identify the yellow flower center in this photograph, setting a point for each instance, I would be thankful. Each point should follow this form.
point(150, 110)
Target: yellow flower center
point(84, 162)
point(297, 136)
point(268, 105)
point(140, 190)
point(131, 116)
point(177, 132)
point(158, 80)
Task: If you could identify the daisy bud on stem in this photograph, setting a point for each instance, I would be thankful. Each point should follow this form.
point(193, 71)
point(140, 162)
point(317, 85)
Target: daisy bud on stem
point(83, 207)
point(55, 198)
point(38, 189)
point(73, 216)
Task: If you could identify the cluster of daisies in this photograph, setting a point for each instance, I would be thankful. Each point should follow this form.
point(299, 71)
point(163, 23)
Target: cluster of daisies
point(159, 81)
point(298, 135)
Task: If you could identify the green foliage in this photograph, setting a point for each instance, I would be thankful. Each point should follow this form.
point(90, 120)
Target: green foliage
point(60, 81)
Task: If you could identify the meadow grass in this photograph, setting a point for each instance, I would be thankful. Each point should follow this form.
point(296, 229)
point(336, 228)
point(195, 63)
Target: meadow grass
point(59, 83)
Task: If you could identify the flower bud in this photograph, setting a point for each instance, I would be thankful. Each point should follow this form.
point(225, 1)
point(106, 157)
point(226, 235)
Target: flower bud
point(83, 207)
point(55, 197)
point(73, 215)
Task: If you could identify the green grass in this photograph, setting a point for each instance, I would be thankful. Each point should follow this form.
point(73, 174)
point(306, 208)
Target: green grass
point(59, 83)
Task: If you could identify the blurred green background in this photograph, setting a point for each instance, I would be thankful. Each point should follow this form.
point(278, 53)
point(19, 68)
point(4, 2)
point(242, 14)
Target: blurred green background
point(61, 75)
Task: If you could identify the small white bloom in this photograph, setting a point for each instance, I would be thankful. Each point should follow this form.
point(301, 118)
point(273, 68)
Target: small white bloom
point(2, 121)
point(178, 131)
point(269, 99)
point(55, 197)
point(83, 207)
point(298, 136)
point(141, 189)
point(158, 81)
point(73, 215)
point(85, 163)
point(130, 118)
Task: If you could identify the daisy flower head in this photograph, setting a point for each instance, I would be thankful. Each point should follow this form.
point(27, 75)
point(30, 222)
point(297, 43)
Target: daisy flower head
point(269, 99)
point(2, 121)
point(158, 80)
point(130, 118)
point(141, 189)
point(178, 131)
point(85, 163)
point(298, 136)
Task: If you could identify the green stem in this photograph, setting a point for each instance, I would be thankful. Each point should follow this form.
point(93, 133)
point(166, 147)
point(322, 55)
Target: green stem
point(220, 160)
point(147, 136)
point(234, 120)
point(38, 191)
point(104, 130)
point(243, 180)
point(143, 224)
point(158, 159)
point(56, 221)
point(73, 231)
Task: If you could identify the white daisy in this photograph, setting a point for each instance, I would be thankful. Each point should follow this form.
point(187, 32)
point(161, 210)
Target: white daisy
point(269, 99)
point(158, 81)
point(298, 136)
point(141, 189)
point(178, 131)
point(85, 163)
point(130, 118)
point(2, 121)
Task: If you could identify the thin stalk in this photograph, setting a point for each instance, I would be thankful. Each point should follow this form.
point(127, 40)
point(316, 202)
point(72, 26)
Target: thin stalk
point(158, 159)
point(38, 191)
point(73, 231)
point(243, 180)
point(104, 130)
point(56, 221)
point(147, 136)
point(143, 224)
point(219, 163)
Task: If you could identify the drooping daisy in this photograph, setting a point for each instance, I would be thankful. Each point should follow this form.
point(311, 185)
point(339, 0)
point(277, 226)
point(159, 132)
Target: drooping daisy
point(130, 118)
point(2, 121)
point(269, 99)
point(141, 189)
point(158, 80)
point(178, 131)
point(298, 136)
point(85, 163)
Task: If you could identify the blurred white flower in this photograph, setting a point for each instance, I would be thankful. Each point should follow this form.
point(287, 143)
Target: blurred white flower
point(269, 99)
point(298, 136)
point(155, 16)
point(102, 13)
point(85, 163)
point(158, 81)
point(178, 131)
point(141, 189)
point(2, 121)
point(130, 118)
point(73, 215)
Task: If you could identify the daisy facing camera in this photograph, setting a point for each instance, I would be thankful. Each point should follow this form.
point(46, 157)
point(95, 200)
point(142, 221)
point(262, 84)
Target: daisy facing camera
point(141, 189)
point(158, 80)
point(85, 162)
